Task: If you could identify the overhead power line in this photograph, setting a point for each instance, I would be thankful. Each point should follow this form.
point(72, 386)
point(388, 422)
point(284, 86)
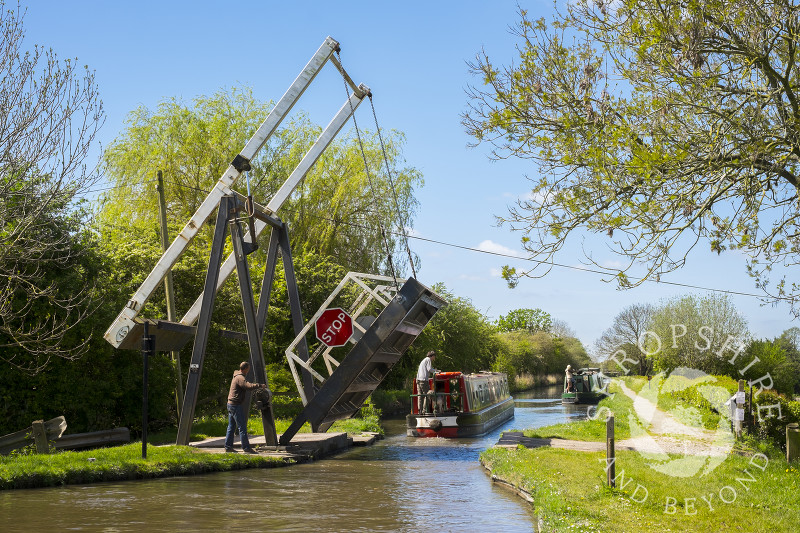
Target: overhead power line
point(111, 187)
point(595, 271)
point(79, 192)
point(529, 259)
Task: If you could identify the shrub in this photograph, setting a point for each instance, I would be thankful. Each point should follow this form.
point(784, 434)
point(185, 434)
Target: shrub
point(770, 426)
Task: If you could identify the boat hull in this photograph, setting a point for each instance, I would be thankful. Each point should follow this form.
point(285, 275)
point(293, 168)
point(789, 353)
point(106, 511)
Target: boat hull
point(580, 397)
point(586, 386)
point(454, 425)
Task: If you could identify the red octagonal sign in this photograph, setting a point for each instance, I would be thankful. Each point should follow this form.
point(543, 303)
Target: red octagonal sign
point(334, 327)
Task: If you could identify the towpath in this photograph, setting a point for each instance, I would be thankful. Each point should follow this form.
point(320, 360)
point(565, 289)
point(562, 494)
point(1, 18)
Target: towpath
point(655, 432)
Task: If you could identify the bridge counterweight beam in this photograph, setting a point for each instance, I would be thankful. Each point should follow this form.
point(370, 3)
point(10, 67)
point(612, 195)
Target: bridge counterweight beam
point(124, 323)
point(204, 323)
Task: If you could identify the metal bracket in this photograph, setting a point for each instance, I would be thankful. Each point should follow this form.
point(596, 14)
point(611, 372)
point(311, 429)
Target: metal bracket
point(241, 163)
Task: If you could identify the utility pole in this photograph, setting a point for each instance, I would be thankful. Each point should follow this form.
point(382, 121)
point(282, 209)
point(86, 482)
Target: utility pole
point(176, 355)
point(148, 350)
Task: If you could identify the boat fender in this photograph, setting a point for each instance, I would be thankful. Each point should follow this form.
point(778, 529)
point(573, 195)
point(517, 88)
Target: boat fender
point(435, 424)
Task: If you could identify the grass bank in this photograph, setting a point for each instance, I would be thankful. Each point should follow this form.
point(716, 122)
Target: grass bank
point(570, 493)
point(526, 381)
point(753, 489)
point(369, 419)
point(594, 428)
point(394, 402)
point(29, 470)
point(120, 463)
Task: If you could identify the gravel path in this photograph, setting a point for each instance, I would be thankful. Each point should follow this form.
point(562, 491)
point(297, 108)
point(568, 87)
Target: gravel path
point(666, 435)
point(657, 433)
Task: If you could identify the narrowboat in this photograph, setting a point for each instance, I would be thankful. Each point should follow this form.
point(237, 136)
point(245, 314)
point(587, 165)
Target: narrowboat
point(461, 405)
point(587, 386)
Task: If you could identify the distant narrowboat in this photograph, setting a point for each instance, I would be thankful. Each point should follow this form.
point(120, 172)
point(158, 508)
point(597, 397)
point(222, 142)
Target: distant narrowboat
point(586, 387)
point(461, 405)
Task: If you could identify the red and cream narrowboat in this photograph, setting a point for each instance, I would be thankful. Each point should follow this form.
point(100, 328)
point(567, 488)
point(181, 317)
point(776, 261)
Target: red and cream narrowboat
point(461, 405)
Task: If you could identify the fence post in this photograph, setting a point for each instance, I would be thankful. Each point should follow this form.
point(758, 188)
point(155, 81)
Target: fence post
point(610, 454)
point(40, 437)
point(792, 442)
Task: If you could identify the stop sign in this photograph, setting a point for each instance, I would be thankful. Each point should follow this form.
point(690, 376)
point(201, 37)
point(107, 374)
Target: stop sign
point(334, 327)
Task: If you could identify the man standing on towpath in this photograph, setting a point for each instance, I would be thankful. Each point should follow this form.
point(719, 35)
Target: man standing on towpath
point(236, 413)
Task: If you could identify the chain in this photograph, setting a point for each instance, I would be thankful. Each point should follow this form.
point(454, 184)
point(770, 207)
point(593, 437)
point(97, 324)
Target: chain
point(394, 191)
point(371, 185)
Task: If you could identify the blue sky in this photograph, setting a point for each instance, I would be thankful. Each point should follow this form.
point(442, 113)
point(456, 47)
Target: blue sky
point(413, 56)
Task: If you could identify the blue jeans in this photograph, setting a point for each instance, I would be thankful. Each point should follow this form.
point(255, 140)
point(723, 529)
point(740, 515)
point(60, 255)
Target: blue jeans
point(237, 417)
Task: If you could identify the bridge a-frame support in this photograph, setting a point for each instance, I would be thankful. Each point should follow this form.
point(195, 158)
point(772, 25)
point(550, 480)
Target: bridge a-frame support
point(126, 330)
point(367, 363)
point(231, 216)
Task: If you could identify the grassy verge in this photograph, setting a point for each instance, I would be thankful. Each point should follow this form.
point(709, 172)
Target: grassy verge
point(526, 381)
point(216, 426)
point(120, 463)
point(29, 470)
point(570, 493)
point(696, 401)
point(592, 430)
point(635, 383)
point(751, 490)
point(392, 402)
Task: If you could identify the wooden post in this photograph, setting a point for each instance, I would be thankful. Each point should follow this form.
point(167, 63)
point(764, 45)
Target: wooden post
point(168, 286)
point(148, 349)
point(738, 415)
point(610, 454)
point(792, 442)
point(40, 437)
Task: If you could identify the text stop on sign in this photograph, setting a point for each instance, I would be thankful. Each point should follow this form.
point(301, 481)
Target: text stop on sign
point(334, 327)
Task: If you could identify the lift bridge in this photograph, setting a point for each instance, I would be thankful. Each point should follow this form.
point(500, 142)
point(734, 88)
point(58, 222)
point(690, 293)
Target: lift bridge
point(402, 311)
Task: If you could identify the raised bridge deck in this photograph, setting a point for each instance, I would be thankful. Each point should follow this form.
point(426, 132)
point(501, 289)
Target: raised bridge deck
point(371, 359)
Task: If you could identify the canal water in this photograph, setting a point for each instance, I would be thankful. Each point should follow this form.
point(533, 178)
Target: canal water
point(399, 484)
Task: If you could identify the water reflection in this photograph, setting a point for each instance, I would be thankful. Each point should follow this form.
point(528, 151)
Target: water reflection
point(400, 484)
point(549, 392)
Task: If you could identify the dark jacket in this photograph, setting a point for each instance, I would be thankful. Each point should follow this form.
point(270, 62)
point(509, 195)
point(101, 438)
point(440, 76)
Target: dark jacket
point(239, 385)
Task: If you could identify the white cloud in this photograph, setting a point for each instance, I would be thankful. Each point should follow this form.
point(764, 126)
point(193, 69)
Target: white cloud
point(536, 197)
point(495, 272)
point(496, 248)
point(612, 263)
point(411, 232)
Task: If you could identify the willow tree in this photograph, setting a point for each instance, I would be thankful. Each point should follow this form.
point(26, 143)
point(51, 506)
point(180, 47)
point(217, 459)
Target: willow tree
point(337, 210)
point(660, 126)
